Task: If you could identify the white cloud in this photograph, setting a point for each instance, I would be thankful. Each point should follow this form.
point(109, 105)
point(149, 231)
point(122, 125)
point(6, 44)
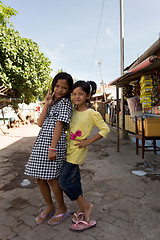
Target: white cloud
point(109, 33)
point(55, 54)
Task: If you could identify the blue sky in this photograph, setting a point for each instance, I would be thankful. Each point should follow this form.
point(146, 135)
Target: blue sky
point(66, 32)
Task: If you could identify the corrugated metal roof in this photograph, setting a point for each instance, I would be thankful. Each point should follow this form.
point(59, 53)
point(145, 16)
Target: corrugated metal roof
point(148, 66)
point(147, 63)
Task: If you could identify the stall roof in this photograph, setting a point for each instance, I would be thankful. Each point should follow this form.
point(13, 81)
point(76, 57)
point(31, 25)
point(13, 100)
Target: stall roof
point(154, 49)
point(147, 63)
point(100, 96)
point(3, 90)
point(148, 66)
point(6, 96)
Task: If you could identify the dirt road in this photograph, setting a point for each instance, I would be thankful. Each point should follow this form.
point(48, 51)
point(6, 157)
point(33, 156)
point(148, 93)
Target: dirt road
point(126, 206)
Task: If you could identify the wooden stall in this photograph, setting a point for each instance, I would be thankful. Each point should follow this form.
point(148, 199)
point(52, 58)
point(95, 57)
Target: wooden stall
point(143, 80)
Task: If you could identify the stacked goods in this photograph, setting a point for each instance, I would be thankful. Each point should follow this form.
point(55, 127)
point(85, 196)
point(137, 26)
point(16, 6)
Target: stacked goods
point(155, 98)
point(146, 91)
point(136, 89)
point(128, 91)
point(131, 90)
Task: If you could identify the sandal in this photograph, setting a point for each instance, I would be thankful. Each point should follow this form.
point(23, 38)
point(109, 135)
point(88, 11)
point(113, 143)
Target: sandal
point(78, 217)
point(63, 216)
point(82, 225)
point(44, 217)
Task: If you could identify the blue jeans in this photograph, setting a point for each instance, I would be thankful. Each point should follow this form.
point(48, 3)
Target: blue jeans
point(70, 180)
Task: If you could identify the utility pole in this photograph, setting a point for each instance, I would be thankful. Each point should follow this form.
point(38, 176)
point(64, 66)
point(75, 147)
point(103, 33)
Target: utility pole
point(122, 58)
point(122, 71)
point(124, 134)
point(122, 34)
point(104, 94)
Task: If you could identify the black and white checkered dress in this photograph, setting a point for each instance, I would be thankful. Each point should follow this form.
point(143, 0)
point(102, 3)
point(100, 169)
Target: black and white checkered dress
point(39, 166)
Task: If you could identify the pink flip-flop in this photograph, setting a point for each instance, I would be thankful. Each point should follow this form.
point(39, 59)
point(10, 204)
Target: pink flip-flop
point(44, 217)
point(63, 215)
point(82, 225)
point(78, 217)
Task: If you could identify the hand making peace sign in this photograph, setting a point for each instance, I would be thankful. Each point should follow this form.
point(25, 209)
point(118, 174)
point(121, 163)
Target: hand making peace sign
point(49, 98)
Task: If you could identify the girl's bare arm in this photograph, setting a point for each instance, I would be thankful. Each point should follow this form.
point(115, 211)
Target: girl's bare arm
point(43, 115)
point(56, 136)
point(86, 142)
point(57, 133)
point(48, 102)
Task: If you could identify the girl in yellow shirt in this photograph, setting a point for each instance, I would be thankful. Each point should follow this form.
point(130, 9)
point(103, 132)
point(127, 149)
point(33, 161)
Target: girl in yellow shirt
point(82, 121)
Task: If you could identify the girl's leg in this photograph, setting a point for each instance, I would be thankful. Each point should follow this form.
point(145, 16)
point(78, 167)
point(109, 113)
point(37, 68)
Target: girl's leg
point(70, 182)
point(46, 194)
point(85, 207)
point(62, 208)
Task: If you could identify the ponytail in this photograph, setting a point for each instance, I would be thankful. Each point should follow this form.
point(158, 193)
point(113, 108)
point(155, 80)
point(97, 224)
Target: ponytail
point(89, 87)
point(93, 87)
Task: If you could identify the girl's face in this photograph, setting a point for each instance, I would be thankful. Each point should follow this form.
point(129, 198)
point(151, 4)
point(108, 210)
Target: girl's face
point(79, 96)
point(61, 88)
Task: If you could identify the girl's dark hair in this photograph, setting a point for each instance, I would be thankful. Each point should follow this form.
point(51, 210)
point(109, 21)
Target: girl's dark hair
point(88, 87)
point(67, 77)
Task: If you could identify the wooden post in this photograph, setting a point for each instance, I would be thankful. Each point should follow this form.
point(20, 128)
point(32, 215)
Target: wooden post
point(117, 113)
point(3, 115)
point(104, 94)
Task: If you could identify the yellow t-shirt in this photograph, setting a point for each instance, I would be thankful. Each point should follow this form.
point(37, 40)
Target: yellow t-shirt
point(81, 125)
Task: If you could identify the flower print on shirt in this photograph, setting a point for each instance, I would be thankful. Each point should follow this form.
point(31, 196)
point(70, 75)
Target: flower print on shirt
point(73, 136)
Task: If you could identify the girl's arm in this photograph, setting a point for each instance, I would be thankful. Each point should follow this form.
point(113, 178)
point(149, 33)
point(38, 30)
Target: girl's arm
point(104, 130)
point(88, 141)
point(48, 102)
point(56, 136)
point(43, 115)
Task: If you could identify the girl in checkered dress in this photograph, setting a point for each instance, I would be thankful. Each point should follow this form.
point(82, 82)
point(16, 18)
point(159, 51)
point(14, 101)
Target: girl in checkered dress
point(48, 154)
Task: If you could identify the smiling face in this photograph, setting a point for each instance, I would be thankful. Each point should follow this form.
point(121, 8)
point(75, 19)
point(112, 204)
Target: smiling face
point(61, 88)
point(79, 97)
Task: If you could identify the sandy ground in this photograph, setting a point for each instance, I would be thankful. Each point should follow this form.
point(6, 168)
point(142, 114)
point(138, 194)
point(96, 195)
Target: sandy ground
point(13, 135)
point(126, 206)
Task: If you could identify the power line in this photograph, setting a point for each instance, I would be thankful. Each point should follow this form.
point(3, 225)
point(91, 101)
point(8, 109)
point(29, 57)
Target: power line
point(96, 38)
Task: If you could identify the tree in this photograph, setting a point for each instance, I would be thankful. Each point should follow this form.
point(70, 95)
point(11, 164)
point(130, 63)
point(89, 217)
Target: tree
point(23, 68)
point(5, 13)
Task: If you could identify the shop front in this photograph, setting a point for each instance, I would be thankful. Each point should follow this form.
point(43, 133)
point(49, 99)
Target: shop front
point(141, 92)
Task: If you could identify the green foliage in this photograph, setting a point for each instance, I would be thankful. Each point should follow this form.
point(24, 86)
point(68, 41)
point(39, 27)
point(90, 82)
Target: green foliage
point(59, 71)
point(23, 68)
point(5, 13)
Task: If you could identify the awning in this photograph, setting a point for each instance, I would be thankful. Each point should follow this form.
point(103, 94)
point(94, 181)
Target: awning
point(148, 66)
point(100, 96)
point(6, 97)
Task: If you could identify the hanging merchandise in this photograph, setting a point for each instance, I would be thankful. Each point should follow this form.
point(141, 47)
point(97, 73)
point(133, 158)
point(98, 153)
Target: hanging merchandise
point(146, 91)
point(128, 91)
point(135, 106)
point(156, 91)
point(136, 89)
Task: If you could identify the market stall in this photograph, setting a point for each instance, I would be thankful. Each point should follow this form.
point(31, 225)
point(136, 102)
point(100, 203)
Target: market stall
point(141, 89)
point(99, 104)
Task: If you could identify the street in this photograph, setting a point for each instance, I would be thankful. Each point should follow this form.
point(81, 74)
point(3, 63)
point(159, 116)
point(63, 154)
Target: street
point(126, 206)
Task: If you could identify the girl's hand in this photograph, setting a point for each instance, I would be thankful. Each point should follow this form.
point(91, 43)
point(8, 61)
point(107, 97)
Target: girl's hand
point(49, 98)
point(82, 143)
point(52, 155)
